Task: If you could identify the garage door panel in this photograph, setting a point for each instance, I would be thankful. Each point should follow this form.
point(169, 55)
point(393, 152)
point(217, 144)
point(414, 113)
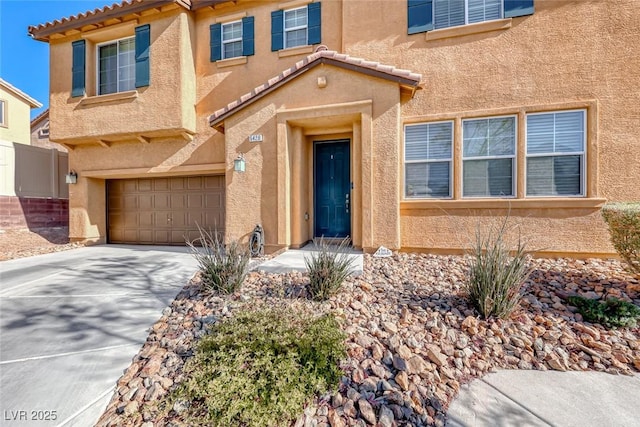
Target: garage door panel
point(178, 201)
point(211, 182)
point(164, 210)
point(145, 185)
point(194, 201)
point(214, 201)
point(161, 201)
point(176, 184)
point(161, 184)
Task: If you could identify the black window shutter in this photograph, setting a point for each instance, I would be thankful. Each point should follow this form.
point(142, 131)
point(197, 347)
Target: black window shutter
point(513, 8)
point(248, 36)
point(143, 42)
point(277, 30)
point(78, 68)
point(420, 16)
point(314, 17)
point(215, 42)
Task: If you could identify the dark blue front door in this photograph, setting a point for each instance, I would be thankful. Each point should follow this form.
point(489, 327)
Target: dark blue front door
point(332, 193)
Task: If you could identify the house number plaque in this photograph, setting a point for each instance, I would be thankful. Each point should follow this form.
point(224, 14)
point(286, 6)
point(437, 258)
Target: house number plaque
point(255, 138)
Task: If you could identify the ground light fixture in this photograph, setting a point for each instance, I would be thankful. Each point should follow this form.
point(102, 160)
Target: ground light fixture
point(71, 177)
point(239, 164)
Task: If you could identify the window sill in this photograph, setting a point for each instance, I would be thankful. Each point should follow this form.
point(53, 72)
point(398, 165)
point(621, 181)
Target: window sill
point(230, 62)
point(530, 203)
point(112, 97)
point(299, 50)
point(465, 30)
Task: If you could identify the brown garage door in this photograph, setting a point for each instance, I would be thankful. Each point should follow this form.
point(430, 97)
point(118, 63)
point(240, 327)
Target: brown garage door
point(164, 211)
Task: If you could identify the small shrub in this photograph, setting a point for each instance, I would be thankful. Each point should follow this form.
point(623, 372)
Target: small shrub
point(623, 220)
point(611, 313)
point(261, 367)
point(222, 267)
point(495, 276)
point(328, 267)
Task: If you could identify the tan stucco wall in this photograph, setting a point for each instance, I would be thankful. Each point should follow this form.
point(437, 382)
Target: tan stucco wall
point(221, 82)
point(165, 107)
point(16, 128)
point(567, 51)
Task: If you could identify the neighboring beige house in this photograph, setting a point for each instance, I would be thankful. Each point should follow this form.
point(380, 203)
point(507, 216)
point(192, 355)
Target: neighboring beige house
point(40, 132)
point(33, 192)
point(398, 123)
point(15, 113)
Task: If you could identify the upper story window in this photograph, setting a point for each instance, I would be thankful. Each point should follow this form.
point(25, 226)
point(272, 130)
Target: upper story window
point(121, 65)
point(556, 153)
point(232, 39)
point(296, 27)
point(3, 112)
point(451, 13)
point(427, 15)
point(488, 157)
point(116, 66)
point(44, 131)
point(428, 157)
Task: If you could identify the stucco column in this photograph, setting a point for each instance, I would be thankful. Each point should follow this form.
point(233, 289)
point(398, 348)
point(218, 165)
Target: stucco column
point(87, 217)
point(367, 180)
point(296, 149)
point(283, 185)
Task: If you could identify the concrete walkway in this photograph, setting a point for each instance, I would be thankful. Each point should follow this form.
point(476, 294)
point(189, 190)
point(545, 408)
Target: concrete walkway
point(548, 398)
point(70, 323)
point(293, 260)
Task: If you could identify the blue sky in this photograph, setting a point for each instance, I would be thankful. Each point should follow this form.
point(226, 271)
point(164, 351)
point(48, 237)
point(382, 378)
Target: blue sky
point(24, 62)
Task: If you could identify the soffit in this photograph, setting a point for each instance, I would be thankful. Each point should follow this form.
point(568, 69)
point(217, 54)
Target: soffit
point(111, 14)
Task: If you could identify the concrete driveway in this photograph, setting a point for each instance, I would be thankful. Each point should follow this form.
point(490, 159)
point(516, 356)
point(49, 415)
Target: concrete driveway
point(70, 323)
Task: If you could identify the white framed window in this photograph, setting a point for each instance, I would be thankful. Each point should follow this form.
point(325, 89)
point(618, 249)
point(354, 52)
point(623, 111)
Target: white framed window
point(556, 148)
point(44, 131)
point(3, 112)
point(451, 13)
point(295, 27)
point(489, 157)
point(232, 39)
point(116, 65)
point(428, 158)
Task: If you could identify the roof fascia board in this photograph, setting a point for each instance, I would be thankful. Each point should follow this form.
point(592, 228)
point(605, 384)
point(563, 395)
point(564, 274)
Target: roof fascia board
point(96, 18)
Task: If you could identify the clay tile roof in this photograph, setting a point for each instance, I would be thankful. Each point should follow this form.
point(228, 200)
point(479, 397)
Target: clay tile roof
point(321, 56)
point(115, 10)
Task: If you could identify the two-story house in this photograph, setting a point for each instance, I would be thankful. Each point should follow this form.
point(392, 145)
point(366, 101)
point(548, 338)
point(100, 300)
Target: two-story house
point(399, 123)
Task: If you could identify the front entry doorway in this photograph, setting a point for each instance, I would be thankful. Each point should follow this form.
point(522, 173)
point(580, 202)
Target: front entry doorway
point(332, 188)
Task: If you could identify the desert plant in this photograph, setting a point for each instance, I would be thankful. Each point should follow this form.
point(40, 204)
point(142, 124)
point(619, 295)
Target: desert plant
point(623, 220)
point(496, 273)
point(328, 267)
point(222, 267)
point(261, 367)
point(611, 313)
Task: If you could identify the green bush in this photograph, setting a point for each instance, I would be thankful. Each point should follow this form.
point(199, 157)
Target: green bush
point(261, 367)
point(328, 267)
point(222, 267)
point(496, 274)
point(610, 313)
point(623, 220)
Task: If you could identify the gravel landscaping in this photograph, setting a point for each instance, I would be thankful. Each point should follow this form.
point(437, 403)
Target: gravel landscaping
point(413, 338)
point(21, 243)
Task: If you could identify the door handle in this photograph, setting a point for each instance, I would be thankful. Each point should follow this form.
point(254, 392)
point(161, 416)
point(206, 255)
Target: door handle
point(346, 202)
